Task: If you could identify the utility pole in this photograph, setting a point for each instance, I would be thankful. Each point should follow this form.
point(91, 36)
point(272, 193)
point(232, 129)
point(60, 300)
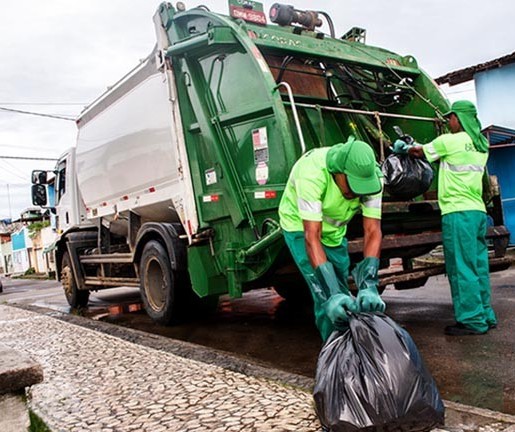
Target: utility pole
point(9, 201)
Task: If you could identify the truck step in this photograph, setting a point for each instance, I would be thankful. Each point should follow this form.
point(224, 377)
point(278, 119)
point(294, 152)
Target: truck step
point(111, 281)
point(117, 258)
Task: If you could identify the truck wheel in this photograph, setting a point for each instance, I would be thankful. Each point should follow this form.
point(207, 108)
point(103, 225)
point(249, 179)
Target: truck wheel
point(158, 283)
point(76, 298)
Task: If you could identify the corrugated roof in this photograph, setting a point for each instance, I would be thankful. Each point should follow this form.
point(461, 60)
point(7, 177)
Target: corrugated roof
point(467, 74)
point(9, 228)
point(499, 136)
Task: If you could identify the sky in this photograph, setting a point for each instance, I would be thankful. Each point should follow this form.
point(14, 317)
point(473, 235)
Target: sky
point(57, 56)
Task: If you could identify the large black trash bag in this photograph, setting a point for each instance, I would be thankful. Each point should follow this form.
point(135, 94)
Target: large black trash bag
point(371, 377)
point(406, 177)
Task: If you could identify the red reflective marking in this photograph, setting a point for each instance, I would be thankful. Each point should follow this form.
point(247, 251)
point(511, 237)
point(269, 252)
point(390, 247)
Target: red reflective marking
point(215, 197)
point(270, 194)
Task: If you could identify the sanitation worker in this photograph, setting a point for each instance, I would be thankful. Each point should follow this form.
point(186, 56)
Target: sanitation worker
point(326, 188)
point(462, 155)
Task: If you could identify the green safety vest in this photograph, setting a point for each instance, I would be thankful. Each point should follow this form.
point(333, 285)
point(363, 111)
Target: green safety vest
point(312, 194)
point(460, 178)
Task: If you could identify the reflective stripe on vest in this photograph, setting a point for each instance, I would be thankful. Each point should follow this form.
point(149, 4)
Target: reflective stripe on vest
point(372, 203)
point(462, 168)
point(334, 222)
point(432, 152)
point(309, 206)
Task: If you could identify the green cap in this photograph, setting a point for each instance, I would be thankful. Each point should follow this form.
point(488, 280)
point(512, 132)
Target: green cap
point(467, 115)
point(357, 161)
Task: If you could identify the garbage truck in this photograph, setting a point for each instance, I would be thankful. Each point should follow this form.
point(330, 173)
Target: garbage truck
point(178, 169)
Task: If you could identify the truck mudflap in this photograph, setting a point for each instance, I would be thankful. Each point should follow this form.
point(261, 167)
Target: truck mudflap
point(413, 274)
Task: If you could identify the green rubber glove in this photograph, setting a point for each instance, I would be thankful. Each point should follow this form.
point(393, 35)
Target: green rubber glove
point(366, 276)
point(336, 309)
point(400, 147)
point(334, 302)
point(328, 280)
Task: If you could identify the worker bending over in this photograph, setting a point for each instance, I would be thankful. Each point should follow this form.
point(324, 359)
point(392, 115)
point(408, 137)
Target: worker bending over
point(326, 188)
point(462, 155)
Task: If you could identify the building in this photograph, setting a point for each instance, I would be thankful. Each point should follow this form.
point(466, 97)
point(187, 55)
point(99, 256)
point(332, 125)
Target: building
point(495, 92)
point(30, 241)
point(21, 243)
point(6, 251)
point(41, 253)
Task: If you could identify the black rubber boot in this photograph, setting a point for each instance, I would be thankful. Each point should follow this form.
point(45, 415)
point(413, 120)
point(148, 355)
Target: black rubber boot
point(459, 329)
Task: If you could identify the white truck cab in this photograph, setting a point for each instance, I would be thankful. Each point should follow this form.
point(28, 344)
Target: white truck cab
point(70, 208)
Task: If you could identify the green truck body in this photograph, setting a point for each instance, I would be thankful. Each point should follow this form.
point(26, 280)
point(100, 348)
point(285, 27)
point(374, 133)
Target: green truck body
point(251, 98)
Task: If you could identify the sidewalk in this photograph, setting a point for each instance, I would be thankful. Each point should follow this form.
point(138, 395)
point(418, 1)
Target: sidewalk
point(98, 382)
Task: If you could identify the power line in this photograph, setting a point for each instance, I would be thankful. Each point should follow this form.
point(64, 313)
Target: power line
point(13, 167)
point(28, 158)
point(12, 172)
point(37, 114)
point(45, 103)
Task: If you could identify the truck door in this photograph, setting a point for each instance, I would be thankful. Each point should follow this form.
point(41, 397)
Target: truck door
point(61, 198)
point(70, 210)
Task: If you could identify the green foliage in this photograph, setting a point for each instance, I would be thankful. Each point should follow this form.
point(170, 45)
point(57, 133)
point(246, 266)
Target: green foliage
point(30, 271)
point(35, 227)
point(36, 424)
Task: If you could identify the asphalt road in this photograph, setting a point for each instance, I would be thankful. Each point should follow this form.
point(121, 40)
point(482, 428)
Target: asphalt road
point(474, 370)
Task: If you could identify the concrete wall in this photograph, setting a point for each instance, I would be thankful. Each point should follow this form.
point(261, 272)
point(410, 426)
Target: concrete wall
point(48, 237)
point(14, 416)
point(495, 92)
point(21, 261)
point(18, 240)
point(21, 244)
point(6, 259)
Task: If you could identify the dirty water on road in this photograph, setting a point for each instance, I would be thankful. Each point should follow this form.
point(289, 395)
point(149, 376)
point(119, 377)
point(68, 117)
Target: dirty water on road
point(260, 326)
point(474, 370)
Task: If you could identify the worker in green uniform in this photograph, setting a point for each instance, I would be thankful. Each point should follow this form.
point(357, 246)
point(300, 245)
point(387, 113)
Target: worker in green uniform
point(326, 188)
point(462, 156)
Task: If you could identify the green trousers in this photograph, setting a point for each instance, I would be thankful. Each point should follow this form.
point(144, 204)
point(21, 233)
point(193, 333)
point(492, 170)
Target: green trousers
point(338, 256)
point(466, 262)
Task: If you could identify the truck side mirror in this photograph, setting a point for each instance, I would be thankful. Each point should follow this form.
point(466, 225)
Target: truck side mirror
point(39, 196)
point(39, 177)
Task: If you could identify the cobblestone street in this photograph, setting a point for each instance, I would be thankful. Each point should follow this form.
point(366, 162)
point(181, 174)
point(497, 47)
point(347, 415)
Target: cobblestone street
point(97, 382)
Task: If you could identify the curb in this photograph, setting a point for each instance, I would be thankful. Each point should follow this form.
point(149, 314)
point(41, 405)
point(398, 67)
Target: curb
point(458, 416)
point(470, 418)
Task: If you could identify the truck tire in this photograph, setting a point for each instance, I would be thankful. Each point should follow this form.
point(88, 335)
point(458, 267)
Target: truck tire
point(76, 298)
point(158, 284)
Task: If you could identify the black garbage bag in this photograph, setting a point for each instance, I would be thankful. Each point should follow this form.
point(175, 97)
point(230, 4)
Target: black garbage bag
point(371, 377)
point(406, 177)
